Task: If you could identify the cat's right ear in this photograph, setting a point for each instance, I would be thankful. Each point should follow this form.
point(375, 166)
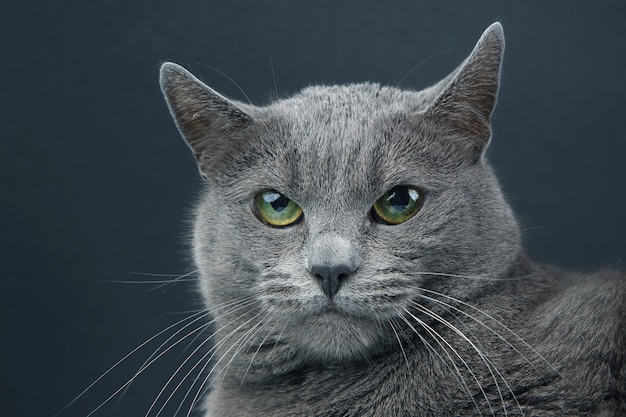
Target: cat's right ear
point(206, 119)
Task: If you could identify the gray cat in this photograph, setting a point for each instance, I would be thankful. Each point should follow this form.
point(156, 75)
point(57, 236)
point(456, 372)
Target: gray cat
point(358, 259)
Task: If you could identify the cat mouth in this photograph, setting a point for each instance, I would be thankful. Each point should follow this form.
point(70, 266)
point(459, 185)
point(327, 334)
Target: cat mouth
point(333, 311)
point(330, 307)
point(325, 310)
point(329, 311)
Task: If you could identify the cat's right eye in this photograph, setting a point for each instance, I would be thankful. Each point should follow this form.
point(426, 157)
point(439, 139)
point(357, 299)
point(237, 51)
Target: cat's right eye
point(275, 209)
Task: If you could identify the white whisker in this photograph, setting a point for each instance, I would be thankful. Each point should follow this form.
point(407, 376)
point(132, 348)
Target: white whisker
point(212, 353)
point(249, 334)
point(257, 351)
point(489, 316)
point(489, 328)
point(159, 281)
point(180, 367)
point(229, 79)
point(149, 364)
point(162, 282)
point(223, 305)
point(475, 277)
point(436, 336)
point(155, 274)
point(419, 65)
point(406, 359)
point(489, 364)
point(116, 364)
point(202, 344)
point(269, 55)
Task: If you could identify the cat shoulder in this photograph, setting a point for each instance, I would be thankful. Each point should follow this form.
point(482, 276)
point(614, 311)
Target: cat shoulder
point(581, 329)
point(587, 305)
point(601, 294)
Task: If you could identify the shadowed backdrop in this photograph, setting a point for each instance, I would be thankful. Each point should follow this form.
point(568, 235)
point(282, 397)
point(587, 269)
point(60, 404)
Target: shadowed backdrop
point(96, 182)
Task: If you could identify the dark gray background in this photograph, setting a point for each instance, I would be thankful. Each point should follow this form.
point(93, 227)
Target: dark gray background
point(96, 183)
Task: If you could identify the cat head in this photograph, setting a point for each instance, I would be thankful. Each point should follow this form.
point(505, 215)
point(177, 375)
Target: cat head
point(326, 213)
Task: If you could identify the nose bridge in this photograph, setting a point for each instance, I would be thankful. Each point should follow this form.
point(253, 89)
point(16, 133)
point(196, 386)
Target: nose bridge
point(330, 249)
point(333, 231)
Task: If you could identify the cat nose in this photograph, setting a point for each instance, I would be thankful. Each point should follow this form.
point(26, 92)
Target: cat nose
point(330, 277)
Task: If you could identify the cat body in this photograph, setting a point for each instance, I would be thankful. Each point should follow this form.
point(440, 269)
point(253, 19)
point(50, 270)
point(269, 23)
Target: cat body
point(359, 259)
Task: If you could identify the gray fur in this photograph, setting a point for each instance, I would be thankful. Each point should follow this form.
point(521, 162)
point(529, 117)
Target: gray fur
point(535, 340)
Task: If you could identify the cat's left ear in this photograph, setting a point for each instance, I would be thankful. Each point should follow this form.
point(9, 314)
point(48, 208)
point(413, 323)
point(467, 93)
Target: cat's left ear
point(465, 105)
point(209, 122)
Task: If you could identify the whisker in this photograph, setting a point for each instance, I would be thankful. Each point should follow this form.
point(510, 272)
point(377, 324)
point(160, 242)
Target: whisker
point(229, 79)
point(498, 335)
point(206, 379)
point(436, 336)
point(249, 334)
point(419, 65)
point(406, 359)
point(200, 314)
point(280, 335)
point(489, 316)
point(240, 304)
point(424, 341)
point(257, 351)
point(180, 367)
point(162, 282)
point(204, 387)
point(222, 305)
point(489, 364)
point(545, 226)
point(269, 55)
point(212, 349)
point(148, 365)
point(475, 277)
point(183, 277)
point(202, 360)
point(203, 343)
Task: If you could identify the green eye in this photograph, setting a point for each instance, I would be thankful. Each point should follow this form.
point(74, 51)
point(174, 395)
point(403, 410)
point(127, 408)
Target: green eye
point(275, 209)
point(397, 205)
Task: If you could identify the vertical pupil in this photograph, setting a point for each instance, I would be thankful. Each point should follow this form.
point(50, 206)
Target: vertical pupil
point(280, 204)
point(278, 201)
point(401, 198)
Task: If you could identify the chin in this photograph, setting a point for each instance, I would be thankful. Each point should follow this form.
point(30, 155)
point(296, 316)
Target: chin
point(332, 337)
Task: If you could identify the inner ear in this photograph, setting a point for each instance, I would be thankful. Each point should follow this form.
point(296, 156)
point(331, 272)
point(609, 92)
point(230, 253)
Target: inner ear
point(207, 120)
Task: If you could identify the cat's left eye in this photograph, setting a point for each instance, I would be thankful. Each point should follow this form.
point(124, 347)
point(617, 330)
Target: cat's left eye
point(275, 209)
point(397, 205)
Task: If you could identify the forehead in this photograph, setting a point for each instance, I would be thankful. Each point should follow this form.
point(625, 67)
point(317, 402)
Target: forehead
point(334, 143)
point(335, 140)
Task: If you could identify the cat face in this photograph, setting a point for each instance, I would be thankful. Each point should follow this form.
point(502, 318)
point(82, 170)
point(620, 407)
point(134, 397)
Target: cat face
point(327, 213)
